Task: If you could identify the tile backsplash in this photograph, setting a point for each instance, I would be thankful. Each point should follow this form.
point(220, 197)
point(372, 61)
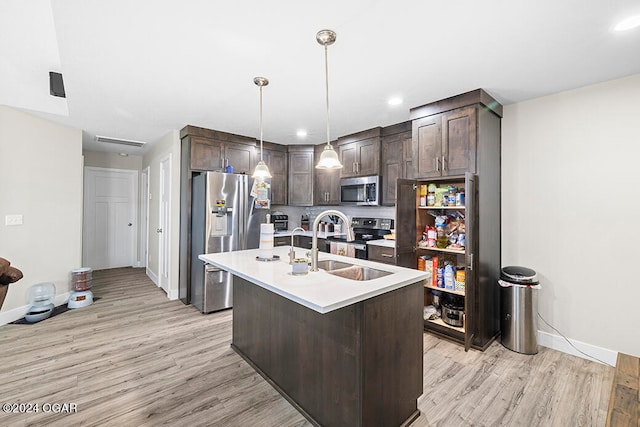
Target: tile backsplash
point(296, 212)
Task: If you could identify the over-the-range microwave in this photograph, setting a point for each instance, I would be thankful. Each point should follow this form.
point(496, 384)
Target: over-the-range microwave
point(361, 191)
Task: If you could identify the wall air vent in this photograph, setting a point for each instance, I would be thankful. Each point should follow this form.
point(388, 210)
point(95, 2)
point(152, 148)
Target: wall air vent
point(128, 142)
point(56, 85)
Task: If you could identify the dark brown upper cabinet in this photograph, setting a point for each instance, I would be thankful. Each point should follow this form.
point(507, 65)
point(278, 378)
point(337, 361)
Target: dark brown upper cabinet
point(446, 132)
point(360, 153)
point(395, 161)
point(275, 156)
point(301, 174)
point(327, 182)
point(212, 150)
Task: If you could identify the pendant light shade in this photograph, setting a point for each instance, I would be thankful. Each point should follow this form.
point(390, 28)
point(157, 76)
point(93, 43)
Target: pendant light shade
point(262, 171)
point(329, 158)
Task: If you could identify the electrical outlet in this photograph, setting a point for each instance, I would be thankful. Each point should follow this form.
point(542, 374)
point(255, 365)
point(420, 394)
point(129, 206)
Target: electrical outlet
point(13, 220)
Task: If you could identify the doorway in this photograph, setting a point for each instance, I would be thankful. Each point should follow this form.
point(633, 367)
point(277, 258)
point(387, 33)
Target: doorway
point(110, 218)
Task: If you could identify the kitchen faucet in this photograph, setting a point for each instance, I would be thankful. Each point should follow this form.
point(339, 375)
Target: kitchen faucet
point(292, 252)
point(314, 241)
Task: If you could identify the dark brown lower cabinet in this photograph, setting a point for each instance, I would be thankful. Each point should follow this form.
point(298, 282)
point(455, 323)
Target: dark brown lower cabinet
point(360, 365)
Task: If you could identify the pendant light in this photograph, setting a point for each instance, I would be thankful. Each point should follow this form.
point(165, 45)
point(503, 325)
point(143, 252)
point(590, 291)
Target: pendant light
point(262, 171)
point(329, 157)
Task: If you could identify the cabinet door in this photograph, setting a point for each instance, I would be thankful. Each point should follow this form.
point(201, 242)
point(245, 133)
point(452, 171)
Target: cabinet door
point(392, 167)
point(471, 252)
point(277, 163)
point(240, 156)
point(406, 226)
point(427, 147)
point(348, 154)
point(206, 154)
point(459, 141)
point(368, 157)
point(407, 158)
point(301, 178)
point(327, 190)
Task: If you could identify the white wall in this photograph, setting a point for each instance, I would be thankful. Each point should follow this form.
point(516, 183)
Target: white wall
point(570, 208)
point(41, 179)
point(169, 144)
point(101, 159)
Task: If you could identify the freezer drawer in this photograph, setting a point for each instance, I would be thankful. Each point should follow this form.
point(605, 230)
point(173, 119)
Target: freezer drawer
point(213, 293)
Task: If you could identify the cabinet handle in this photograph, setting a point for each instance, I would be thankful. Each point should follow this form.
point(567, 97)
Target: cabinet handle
point(444, 166)
point(470, 265)
point(387, 255)
point(437, 163)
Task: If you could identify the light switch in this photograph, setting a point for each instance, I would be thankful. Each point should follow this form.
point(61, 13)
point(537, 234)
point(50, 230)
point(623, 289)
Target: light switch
point(13, 220)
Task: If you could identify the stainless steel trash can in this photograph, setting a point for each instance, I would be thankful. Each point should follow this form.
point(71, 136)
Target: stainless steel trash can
point(519, 309)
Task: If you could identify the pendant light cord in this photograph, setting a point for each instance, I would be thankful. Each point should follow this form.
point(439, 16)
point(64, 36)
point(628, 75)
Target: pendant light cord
point(260, 123)
point(326, 73)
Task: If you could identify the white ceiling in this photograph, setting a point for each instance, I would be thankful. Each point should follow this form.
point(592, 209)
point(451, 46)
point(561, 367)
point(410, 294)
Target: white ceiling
point(137, 69)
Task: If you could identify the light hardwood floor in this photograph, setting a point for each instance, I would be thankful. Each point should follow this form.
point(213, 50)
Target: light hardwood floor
point(134, 358)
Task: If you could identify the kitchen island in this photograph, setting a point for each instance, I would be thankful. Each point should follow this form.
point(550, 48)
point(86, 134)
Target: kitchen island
point(344, 352)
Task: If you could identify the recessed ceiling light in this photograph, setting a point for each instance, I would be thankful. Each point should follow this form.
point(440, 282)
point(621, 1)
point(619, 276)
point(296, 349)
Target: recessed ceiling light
point(628, 24)
point(124, 154)
point(301, 133)
point(394, 101)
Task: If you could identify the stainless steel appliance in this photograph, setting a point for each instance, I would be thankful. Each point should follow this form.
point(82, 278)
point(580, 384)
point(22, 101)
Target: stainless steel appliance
point(361, 191)
point(224, 218)
point(364, 229)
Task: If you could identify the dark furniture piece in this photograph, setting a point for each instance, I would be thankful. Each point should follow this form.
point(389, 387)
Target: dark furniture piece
point(456, 141)
point(360, 365)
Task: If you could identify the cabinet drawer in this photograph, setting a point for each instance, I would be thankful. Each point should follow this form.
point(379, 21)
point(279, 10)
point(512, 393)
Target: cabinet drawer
point(381, 254)
point(281, 241)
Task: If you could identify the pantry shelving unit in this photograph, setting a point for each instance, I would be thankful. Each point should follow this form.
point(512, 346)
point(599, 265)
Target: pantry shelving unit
point(457, 140)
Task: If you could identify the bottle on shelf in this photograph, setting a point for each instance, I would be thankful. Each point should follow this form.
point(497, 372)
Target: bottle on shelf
point(449, 281)
point(431, 195)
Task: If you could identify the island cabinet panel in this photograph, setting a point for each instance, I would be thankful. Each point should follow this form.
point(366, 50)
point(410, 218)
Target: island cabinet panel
point(356, 366)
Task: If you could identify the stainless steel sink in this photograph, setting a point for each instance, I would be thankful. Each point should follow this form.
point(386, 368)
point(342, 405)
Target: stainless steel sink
point(332, 264)
point(350, 271)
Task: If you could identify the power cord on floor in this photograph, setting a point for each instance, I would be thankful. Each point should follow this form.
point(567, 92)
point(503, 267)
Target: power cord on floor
point(571, 344)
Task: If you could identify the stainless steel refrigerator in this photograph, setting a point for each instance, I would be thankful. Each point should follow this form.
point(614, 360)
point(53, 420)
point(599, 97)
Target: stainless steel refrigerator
point(224, 217)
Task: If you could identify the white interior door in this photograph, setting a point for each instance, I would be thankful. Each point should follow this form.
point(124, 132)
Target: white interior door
point(164, 229)
point(109, 225)
point(144, 217)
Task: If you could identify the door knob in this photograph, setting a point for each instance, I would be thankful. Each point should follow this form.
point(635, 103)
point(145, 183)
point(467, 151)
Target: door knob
point(129, 224)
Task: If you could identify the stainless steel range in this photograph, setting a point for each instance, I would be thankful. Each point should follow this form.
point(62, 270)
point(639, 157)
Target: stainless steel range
point(365, 229)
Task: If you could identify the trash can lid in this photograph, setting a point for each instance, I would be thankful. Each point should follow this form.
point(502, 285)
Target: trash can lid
point(519, 275)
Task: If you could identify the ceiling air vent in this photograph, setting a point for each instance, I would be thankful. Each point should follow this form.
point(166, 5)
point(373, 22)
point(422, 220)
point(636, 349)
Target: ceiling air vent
point(128, 142)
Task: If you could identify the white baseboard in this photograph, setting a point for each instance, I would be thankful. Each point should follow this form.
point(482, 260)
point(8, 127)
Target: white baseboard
point(556, 342)
point(19, 312)
point(173, 294)
point(153, 277)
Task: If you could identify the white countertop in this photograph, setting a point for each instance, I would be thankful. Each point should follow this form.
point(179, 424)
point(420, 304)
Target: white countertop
point(319, 291)
point(382, 242)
